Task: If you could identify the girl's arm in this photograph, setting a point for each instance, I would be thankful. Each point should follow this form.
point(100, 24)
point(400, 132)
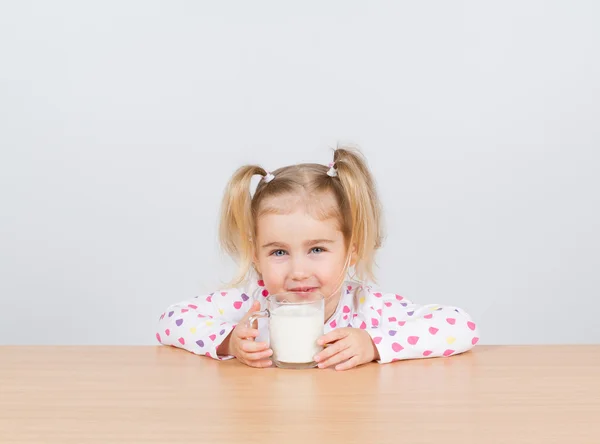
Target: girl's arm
point(202, 323)
point(401, 329)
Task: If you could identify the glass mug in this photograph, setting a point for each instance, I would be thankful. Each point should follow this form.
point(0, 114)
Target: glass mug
point(295, 323)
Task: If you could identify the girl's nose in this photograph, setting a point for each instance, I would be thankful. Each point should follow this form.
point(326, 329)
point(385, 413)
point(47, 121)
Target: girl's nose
point(300, 270)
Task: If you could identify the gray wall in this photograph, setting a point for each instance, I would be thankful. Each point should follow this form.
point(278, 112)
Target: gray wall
point(120, 123)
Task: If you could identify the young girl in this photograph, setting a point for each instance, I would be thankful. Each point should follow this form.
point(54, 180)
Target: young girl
point(303, 229)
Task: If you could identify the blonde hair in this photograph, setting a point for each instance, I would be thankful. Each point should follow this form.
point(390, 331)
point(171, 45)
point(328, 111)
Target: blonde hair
point(358, 209)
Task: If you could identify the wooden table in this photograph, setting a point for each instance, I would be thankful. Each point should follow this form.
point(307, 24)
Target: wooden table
point(530, 394)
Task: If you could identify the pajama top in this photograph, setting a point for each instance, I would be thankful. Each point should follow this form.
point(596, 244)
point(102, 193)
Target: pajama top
point(399, 328)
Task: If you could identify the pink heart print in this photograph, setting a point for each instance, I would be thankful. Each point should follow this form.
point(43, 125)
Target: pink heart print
point(412, 340)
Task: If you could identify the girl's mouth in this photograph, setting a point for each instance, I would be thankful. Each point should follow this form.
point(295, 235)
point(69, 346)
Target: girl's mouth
point(303, 289)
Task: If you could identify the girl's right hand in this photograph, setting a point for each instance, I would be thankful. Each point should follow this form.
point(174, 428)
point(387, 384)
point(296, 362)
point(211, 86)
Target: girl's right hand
point(243, 346)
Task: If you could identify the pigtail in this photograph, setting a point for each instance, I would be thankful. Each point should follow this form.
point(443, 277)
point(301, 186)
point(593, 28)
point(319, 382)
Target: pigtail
point(236, 228)
point(365, 210)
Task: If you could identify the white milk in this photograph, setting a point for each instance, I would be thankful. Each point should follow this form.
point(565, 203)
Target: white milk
point(294, 330)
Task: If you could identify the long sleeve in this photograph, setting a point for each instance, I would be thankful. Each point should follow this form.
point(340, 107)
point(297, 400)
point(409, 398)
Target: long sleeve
point(401, 329)
point(202, 323)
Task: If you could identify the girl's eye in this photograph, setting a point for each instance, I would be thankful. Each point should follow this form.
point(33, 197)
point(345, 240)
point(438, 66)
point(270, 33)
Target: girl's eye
point(276, 253)
point(317, 250)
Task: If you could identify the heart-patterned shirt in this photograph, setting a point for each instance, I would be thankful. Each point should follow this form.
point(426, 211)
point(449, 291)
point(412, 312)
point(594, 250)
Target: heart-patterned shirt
point(399, 328)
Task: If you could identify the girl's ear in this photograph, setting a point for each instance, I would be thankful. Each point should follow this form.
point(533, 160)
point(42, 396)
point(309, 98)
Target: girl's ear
point(353, 256)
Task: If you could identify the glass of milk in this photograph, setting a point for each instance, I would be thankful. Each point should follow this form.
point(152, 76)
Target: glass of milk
point(295, 323)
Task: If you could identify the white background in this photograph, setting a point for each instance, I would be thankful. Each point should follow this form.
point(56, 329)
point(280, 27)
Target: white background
point(121, 121)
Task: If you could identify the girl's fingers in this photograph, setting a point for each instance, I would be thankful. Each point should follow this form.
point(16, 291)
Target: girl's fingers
point(257, 356)
point(254, 308)
point(246, 332)
point(332, 350)
point(250, 347)
point(342, 356)
point(350, 363)
point(333, 336)
point(253, 347)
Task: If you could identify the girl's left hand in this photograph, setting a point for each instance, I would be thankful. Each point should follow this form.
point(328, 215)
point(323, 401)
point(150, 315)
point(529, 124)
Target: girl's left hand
point(348, 347)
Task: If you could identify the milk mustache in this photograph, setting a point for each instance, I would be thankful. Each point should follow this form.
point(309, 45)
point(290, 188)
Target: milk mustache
point(293, 331)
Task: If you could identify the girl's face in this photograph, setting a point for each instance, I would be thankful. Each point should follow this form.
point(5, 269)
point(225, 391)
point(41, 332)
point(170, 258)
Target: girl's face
point(297, 252)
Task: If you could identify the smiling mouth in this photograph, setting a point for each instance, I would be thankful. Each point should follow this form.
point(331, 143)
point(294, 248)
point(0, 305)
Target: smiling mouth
point(303, 289)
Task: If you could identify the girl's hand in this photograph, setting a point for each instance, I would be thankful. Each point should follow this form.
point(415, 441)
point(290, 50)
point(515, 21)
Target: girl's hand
point(240, 343)
point(349, 347)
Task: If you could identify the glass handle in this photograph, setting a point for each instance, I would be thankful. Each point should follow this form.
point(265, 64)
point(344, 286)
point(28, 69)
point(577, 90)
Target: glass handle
point(258, 315)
